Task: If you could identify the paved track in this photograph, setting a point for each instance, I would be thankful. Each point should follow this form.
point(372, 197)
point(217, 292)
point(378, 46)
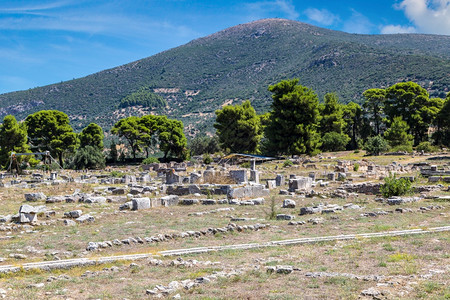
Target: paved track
point(77, 262)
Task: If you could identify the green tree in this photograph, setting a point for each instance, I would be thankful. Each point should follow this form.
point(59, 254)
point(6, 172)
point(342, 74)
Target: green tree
point(375, 145)
point(13, 138)
point(113, 153)
point(442, 122)
point(150, 125)
point(331, 114)
point(88, 157)
point(294, 119)
point(333, 141)
point(132, 130)
point(353, 118)
point(203, 144)
point(92, 135)
point(374, 107)
point(171, 138)
point(238, 128)
point(410, 101)
point(397, 134)
point(49, 130)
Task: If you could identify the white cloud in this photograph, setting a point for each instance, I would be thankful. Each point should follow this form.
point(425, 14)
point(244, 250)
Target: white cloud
point(263, 8)
point(34, 7)
point(392, 29)
point(92, 22)
point(321, 16)
point(358, 23)
point(429, 16)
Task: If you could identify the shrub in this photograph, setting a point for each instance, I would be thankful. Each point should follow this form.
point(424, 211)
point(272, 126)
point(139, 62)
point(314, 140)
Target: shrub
point(356, 167)
point(287, 163)
point(402, 148)
point(427, 147)
point(246, 164)
point(116, 174)
point(88, 158)
point(150, 160)
point(375, 145)
point(333, 141)
point(33, 162)
point(207, 159)
point(395, 186)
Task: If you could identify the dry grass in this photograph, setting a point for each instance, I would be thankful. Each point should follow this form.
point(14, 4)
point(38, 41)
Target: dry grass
point(392, 256)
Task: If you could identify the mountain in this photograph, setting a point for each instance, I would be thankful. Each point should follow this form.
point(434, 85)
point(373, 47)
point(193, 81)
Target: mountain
point(239, 63)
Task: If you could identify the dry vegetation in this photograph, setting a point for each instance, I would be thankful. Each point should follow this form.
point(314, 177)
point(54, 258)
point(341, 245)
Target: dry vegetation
point(414, 267)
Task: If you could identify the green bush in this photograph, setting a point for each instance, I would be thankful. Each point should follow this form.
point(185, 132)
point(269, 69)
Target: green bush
point(116, 174)
point(207, 159)
point(375, 145)
point(427, 147)
point(246, 165)
point(150, 160)
point(333, 141)
point(88, 158)
point(395, 186)
point(402, 148)
point(287, 163)
point(356, 167)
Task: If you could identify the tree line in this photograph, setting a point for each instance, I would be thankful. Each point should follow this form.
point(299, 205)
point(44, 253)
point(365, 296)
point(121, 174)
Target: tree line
point(398, 117)
point(50, 130)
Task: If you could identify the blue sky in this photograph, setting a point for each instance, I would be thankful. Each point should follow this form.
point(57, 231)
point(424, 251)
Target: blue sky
point(44, 42)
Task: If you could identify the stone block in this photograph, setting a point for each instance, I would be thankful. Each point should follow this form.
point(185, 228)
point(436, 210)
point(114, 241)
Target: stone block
point(254, 176)
point(331, 176)
point(248, 191)
point(170, 200)
point(195, 178)
point(271, 184)
point(240, 176)
point(434, 178)
point(127, 179)
point(140, 203)
point(119, 191)
point(279, 180)
point(284, 217)
point(155, 202)
point(300, 183)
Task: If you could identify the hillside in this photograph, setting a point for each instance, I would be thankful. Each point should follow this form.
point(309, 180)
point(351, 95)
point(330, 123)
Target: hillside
point(239, 63)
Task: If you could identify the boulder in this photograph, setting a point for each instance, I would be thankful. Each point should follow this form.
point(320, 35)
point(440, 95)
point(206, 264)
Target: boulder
point(32, 197)
point(99, 199)
point(289, 203)
point(73, 214)
point(85, 219)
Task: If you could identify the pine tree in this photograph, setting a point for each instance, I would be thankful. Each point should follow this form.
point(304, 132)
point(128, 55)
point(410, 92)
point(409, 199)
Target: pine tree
point(294, 119)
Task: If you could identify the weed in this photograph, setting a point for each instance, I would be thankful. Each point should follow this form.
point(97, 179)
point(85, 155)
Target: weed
point(287, 163)
point(271, 214)
point(388, 247)
point(400, 257)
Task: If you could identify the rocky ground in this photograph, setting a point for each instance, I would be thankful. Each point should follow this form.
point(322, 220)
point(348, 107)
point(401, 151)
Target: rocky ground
point(116, 233)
